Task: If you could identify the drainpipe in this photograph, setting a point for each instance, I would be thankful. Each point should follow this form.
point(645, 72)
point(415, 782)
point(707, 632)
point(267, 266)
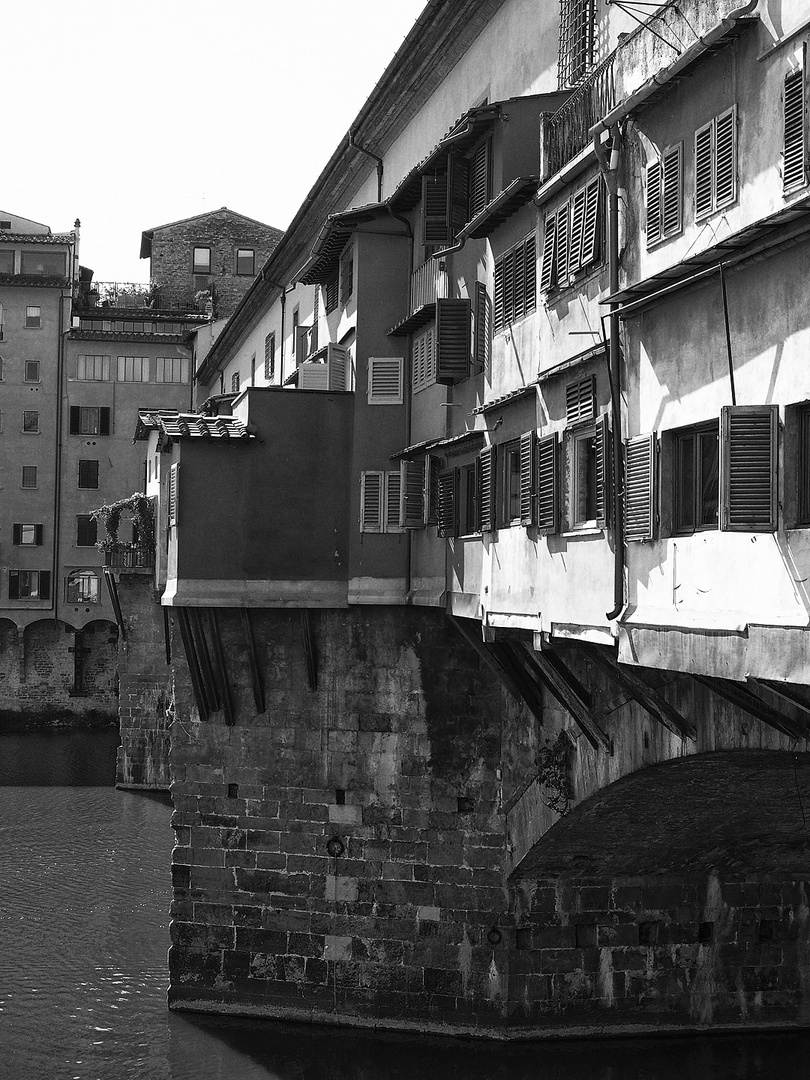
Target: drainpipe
point(610, 171)
point(374, 157)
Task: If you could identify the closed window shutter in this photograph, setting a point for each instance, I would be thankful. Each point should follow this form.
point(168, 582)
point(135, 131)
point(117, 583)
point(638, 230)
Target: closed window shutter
point(371, 502)
point(44, 585)
point(794, 173)
point(548, 518)
point(452, 340)
point(447, 503)
point(602, 439)
point(486, 489)
point(527, 491)
point(174, 493)
point(548, 276)
point(499, 309)
point(508, 287)
point(562, 244)
point(725, 143)
point(14, 585)
point(384, 380)
point(104, 421)
point(412, 494)
point(577, 228)
point(704, 170)
point(16, 534)
point(483, 327)
point(459, 192)
point(654, 203)
point(332, 294)
point(639, 488)
point(530, 274)
point(435, 210)
point(75, 419)
point(480, 183)
point(591, 232)
point(393, 498)
point(432, 471)
point(672, 203)
point(580, 401)
point(38, 534)
point(748, 479)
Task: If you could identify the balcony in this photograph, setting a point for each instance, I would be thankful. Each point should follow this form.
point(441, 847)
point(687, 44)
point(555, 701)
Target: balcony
point(127, 295)
point(569, 127)
point(131, 558)
point(428, 284)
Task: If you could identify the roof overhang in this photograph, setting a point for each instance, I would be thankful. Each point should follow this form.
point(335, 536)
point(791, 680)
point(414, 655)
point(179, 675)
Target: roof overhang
point(507, 202)
point(322, 264)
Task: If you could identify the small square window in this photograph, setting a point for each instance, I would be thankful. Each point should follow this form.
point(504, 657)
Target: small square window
point(29, 476)
point(245, 261)
point(30, 421)
point(33, 318)
point(88, 473)
point(27, 535)
point(32, 370)
point(202, 260)
point(5, 225)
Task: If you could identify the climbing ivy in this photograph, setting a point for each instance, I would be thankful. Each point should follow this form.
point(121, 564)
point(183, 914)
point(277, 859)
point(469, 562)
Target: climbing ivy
point(141, 510)
point(554, 774)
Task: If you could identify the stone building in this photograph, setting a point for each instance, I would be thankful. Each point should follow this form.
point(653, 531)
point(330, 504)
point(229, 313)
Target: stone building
point(492, 661)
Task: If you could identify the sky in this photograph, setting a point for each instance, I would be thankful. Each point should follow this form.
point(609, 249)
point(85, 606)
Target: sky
point(131, 115)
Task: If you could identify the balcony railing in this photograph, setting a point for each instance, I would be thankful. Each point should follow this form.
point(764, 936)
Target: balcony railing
point(571, 124)
point(133, 558)
point(428, 284)
point(134, 295)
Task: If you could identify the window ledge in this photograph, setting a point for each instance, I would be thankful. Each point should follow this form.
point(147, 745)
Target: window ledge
point(586, 530)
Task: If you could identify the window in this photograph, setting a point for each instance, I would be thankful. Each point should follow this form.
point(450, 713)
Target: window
point(93, 369)
point(547, 484)
point(385, 380)
point(29, 476)
point(245, 261)
point(794, 166)
point(133, 369)
point(30, 420)
point(89, 420)
point(33, 317)
point(173, 513)
point(346, 275)
point(6, 262)
point(235, 383)
point(5, 225)
point(29, 585)
point(448, 503)
point(331, 293)
point(1, 368)
point(1, 315)
point(576, 40)
point(803, 509)
point(86, 531)
point(46, 263)
point(716, 164)
point(201, 260)
point(697, 479)
point(446, 199)
point(295, 321)
point(88, 473)
point(171, 369)
point(509, 484)
point(665, 195)
point(32, 370)
point(26, 535)
point(418, 487)
point(588, 479)
point(515, 283)
point(380, 498)
point(82, 587)
point(572, 239)
point(270, 357)
point(470, 521)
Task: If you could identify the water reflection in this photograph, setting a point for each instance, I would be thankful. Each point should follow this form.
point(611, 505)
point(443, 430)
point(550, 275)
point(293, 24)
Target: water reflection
point(84, 895)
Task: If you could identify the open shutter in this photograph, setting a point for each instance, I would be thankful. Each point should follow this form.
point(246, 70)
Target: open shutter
point(725, 149)
point(530, 274)
point(452, 340)
point(412, 494)
point(371, 502)
point(174, 493)
point(548, 517)
point(14, 584)
point(499, 297)
point(577, 229)
point(654, 194)
point(480, 178)
point(562, 244)
point(527, 490)
point(748, 454)
point(393, 501)
point(794, 170)
point(672, 201)
point(483, 327)
point(704, 140)
point(44, 585)
point(16, 534)
point(459, 170)
point(548, 275)
point(38, 534)
point(384, 380)
point(580, 401)
point(337, 360)
point(104, 421)
point(435, 210)
point(602, 440)
point(486, 489)
point(590, 229)
point(75, 419)
point(639, 488)
point(432, 470)
point(447, 502)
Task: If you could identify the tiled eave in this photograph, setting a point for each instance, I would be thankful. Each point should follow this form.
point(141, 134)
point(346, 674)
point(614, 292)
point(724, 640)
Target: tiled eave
point(113, 335)
point(175, 425)
point(36, 238)
point(505, 399)
point(521, 191)
point(39, 281)
point(468, 440)
point(415, 321)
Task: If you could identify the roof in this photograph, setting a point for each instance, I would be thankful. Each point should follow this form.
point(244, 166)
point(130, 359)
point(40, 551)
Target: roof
point(323, 262)
point(148, 234)
point(178, 425)
point(505, 399)
point(36, 238)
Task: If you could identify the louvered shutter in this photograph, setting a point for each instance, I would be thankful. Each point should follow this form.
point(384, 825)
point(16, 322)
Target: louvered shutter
point(393, 501)
point(602, 440)
point(548, 517)
point(704, 143)
point(14, 584)
point(412, 494)
point(590, 230)
point(174, 493)
point(104, 421)
point(748, 480)
point(38, 534)
point(430, 356)
point(452, 340)
point(75, 419)
point(639, 488)
point(371, 502)
point(486, 489)
point(527, 490)
point(459, 169)
point(432, 470)
point(548, 275)
point(499, 310)
point(16, 534)
point(530, 274)
point(332, 293)
point(794, 172)
point(447, 503)
point(384, 380)
point(580, 401)
point(435, 211)
point(337, 362)
point(672, 202)
point(44, 585)
point(480, 183)
point(562, 244)
point(725, 149)
point(483, 327)
point(654, 203)
point(508, 287)
point(577, 228)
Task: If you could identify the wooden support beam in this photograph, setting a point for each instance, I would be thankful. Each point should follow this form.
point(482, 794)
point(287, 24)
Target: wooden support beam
point(253, 660)
point(112, 589)
point(167, 635)
point(193, 662)
point(570, 693)
point(220, 670)
point(309, 649)
point(498, 663)
point(784, 692)
point(512, 663)
point(657, 706)
point(741, 696)
point(208, 681)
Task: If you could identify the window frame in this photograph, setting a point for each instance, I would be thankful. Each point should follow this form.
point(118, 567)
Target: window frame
point(195, 266)
point(78, 577)
point(33, 322)
point(679, 437)
point(715, 204)
point(27, 430)
point(89, 525)
point(82, 469)
point(105, 367)
point(270, 356)
point(508, 486)
point(32, 472)
point(18, 534)
point(81, 417)
point(32, 371)
point(41, 591)
point(239, 254)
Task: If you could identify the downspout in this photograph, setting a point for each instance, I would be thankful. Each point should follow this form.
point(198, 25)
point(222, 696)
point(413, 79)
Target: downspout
point(610, 172)
point(374, 157)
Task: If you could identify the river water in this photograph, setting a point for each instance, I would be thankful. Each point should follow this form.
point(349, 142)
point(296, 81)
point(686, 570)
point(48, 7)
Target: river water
point(84, 892)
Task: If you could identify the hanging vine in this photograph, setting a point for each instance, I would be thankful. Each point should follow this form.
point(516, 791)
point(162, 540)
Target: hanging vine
point(554, 774)
point(140, 509)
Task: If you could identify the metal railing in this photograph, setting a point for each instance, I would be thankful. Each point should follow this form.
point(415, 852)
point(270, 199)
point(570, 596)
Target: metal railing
point(134, 558)
point(428, 284)
point(137, 296)
point(571, 124)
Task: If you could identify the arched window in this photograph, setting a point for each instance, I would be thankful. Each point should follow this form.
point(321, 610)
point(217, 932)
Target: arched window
point(82, 587)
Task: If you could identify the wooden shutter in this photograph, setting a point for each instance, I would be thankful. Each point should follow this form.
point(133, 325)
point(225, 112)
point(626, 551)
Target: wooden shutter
point(602, 439)
point(452, 340)
point(704, 155)
point(527, 489)
point(16, 534)
point(794, 171)
point(577, 228)
point(530, 274)
point(509, 287)
point(725, 148)
point(174, 494)
point(332, 293)
point(412, 494)
point(459, 171)
point(499, 311)
point(371, 502)
point(104, 421)
point(580, 401)
point(432, 470)
point(44, 585)
point(384, 380)
point(38, 534)
point(435, 211)
point(480, 178)
point(447, 502)
point(590, 230)
point(548, 274)
point(654, 203)
point(672, 202)
point(639, 488)
point(14, 584)
point(75, 419)
point(563, 216)
point(483, 327)
point(486, 489)
point(393, 500)
point(548, 515)
point(346, 276)
point(748, 464)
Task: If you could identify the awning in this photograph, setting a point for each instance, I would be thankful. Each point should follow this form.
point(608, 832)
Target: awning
point(521, 191)
point(419, 318)
point(322, 264)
